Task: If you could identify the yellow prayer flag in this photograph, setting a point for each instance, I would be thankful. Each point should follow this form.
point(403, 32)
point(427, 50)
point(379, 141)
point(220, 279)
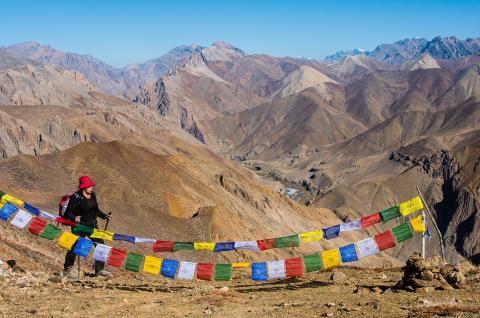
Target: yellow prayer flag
point(152, 265)
point(311, 236)
point(330, 258)
point(418, 225)
point(410, 206)
point(106, 235)
point(208, 246)
point(13, 200)
point(67, 239)
point(240, 265)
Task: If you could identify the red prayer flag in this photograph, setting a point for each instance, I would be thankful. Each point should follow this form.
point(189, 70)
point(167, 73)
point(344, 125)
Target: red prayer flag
point(59, 219)
point(37, 225)
point(371, 219)
point(163, 246)
point(116, 257)
point(205, 271)
point(266, 244)
point(294, 267)
point(385, 240)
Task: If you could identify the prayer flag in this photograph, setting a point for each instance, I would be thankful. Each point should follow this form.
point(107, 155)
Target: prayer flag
point(370, 220)
point(67, 240)
point(388, 214)
point(81, 229)
point(224, 247)
point(402, 232)
point(116, 258)
point(312, 262)
point(50, 232)
point(311, 236)
point(240, 265)
point(266, 244)
point(205, 271)
point(294, 267)
point(348, 253)
point(222, 272)
point(31, 209)
point(123, 237)
point(276, 269)
point(418, 224)
point(187, 270)
point(64, 221)
point(37, 225)
point(144, 240)
point(351, 226)
point(367, 247)
point(287, 241)
point(246, 245)
point(331, 232)
point(259, 271)
point(169, 268)
point(152, 265)
point(163, 246)
point(101, 234)
point(411, 206)
point(47, 215)
point(177, 246)
point(204, 246)
point(83, 247)
point(7, 210)
point(13, 200)
point(330, 258)
point(133, 262)
point(101, 252)
point(21, 219)
point(385, 240)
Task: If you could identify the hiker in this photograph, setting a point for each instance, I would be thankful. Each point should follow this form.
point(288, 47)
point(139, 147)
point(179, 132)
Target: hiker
point(83, 209)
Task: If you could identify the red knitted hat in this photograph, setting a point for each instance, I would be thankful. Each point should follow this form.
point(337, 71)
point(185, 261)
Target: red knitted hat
point(85, 182)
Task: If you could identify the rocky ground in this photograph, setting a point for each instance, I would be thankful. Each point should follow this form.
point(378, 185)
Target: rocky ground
point(342, 292)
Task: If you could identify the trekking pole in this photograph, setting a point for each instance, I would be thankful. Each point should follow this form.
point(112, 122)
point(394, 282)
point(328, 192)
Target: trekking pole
point(78, 267)
point(108, 220)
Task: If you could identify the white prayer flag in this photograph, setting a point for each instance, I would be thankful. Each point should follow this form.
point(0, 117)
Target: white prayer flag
point(367, 247)
point(144, 240)
point(350, 226)
point(21, 219)
point(246, 245)
point(47, 215)
point(276, 269)
point(101, 252)
point(187, 270)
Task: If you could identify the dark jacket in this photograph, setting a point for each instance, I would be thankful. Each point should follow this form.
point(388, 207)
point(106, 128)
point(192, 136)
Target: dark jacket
point(78, 206)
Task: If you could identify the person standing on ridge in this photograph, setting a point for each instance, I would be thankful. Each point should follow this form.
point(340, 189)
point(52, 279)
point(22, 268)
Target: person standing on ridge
point(83, 209)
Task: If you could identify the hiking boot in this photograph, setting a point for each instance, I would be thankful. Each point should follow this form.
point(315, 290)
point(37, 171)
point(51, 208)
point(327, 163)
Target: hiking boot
point(103, 273)
point(69, 274)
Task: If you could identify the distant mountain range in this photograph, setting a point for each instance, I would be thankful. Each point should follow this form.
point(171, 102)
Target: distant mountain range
point(439, 48)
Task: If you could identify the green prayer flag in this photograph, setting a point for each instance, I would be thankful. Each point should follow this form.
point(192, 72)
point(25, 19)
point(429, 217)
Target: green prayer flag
point(287, 241)
point(222, 271)
point(133, 262)
point(177, 246)
point(80, 229)
point(388, 214)
point(50, 232)
point(313, 262)
point(2, 194)
point(402, 232)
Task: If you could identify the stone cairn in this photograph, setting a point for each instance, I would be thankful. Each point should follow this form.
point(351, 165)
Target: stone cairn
point(425, 275)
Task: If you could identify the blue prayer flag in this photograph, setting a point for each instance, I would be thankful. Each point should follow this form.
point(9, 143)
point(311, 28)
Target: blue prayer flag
point(224, 246)
point(331, 232)
point(123, 237)
point(83, 247)
point(169, 268)
point(31, 209)
point(348, 253)
point(259, 271)
point(7, 210)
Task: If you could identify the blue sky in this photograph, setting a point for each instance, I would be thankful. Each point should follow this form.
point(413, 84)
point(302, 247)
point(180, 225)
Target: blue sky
point(121, 32)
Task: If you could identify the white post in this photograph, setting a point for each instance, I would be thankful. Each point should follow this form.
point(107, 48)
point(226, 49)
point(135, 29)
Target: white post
point(423, 235)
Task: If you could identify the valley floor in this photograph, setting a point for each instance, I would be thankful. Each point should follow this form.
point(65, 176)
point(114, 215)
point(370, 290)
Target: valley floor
point(360, 293)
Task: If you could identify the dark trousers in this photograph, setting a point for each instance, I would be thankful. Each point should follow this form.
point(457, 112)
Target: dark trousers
point(71, 256)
